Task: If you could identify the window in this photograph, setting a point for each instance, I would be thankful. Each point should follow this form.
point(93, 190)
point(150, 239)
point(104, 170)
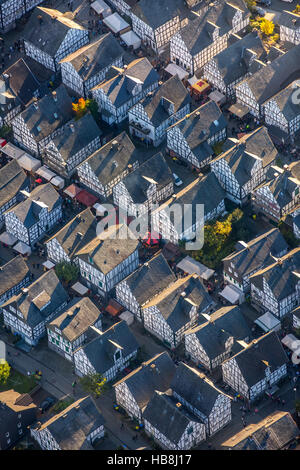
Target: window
point(117, 355)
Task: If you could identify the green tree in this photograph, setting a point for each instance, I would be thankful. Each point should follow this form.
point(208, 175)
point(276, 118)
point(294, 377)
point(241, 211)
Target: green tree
point(94, 384)
point(67, 272)
point(4, 372)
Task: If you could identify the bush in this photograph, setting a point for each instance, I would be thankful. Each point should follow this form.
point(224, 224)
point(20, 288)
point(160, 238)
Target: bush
point(67, 272)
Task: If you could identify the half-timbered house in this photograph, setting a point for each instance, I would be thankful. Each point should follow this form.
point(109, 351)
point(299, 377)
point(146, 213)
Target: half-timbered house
point(251, 256)
point(172, 425)
point(296, 225)
point(192, 138)
point(50, 35)
point(296, 318)
point(68, 331)
point(207, 34)
point(28, 313)
point(86, 67)
point(179, 217)
point(78, 140)
point(146, 282)
point(259, 366)
point(127, 87)
point(123, 6)
point(14, 275)
point(34, 127)
point(289, 24)
point(134, 392)
point(201, 397)
point(236, 62)
point(148, 185)
point(31, 219)
point(276, 288)
point(12, 10)
point(244, 166)
point(150, 118)
point(109, 165)
point(13, 180)
point(213, 341)
point(108, 353)
point(19, 87)
point(75, 428)
point(176, 309)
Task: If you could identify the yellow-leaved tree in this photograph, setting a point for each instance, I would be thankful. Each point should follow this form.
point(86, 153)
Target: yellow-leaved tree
point(267, 27)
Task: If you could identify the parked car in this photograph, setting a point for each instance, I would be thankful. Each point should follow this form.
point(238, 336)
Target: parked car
point(266, 3)
point(260, 11)
point(46, 404)
point(177, 180)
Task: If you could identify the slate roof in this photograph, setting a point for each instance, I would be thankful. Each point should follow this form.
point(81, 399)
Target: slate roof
point(96, 56)
point(72, 426)
point(282, 185)
point(285, 102)
point(139, 181)
point(119, 88)
point(174, 91)
point(150, 279)
point(11, 404)
point(199, 126)
point(159, 12)
point(33, 301)
point(76, 233)
point(274, 77)
point(252, 360)
point(175, 307)
point(163, 414)
point(195, 388)
point(272, 433)
point(48, 114)
point(282, 275)
point(12, 180)
point(100, 351)
point(290, 20)
point(155, 374)
point(234, 62)
point(113, 158)
point(49, 34)
point(28, 210)
point(78, 315)
point(225, 323)
point(70, 142)
point(12, 273)
point(256, 253)
point(106, 253)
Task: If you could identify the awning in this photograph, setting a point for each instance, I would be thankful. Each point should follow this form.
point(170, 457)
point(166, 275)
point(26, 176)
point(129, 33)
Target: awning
point(8, 239)
point(191, 266)
point(29, 163)
point(201, 86)
point(48, 264)
point(217, 97)
point(290, 341)
point(100, 210)
point(58, 182)
point(72, 191)
point(232, 294)
point(45, 173)
point(115, 23)
point(12, 151)
point(3, 142)
point(79, 288)
point(131, 39)
point(268, 322)
point(100, 7)
point(86, 198)
point(174, 69)
point(113, 308)
point(239, 110)
point(22, 248)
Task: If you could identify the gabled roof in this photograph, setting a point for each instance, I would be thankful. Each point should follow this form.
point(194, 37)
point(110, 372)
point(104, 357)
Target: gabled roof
point(285, 102)
point(261, 353)
point(289, 19)
point(48, 114)
point(257, 252)
point(71, 427)
point(172, 90)
point(176, 301)
point(159, 12)
point(40, 299)
point(12, 273)
point(150, 279)
point(119, 89)
point(155, 374)
point(100, 351)
point(94, 57)
point(12, 180)
point(76, 136)
point(78, 315)
point(47, 28)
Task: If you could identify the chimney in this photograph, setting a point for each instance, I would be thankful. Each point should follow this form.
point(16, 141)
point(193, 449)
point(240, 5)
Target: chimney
point(54, 94)
point(72, 127)
point(35, 103)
